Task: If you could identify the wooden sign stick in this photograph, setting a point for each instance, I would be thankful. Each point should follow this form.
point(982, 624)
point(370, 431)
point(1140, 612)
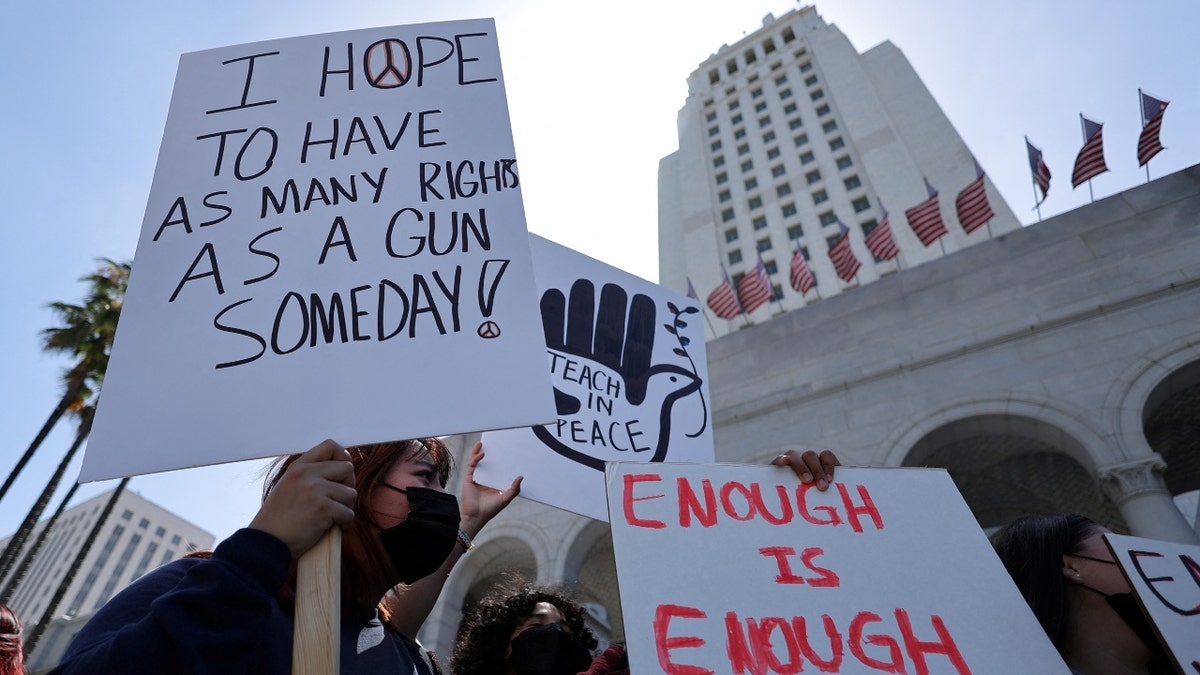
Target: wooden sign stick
point(316, 640)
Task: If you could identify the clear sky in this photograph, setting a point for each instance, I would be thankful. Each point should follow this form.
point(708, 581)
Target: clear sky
point(593, 89)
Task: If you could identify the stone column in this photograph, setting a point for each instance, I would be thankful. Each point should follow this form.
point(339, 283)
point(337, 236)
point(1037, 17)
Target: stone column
point(1138, 490)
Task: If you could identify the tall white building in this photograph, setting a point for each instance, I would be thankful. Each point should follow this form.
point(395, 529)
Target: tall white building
point(789, 130)
point(137, 536)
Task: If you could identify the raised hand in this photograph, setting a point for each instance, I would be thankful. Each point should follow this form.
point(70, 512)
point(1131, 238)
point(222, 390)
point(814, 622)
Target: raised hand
point(810, 466)
point(613, 402)
point(477, 503)
point(315, 493)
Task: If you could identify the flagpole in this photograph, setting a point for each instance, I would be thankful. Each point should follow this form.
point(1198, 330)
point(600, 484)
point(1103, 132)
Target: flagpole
point(1037, 205)
point(1142, 117)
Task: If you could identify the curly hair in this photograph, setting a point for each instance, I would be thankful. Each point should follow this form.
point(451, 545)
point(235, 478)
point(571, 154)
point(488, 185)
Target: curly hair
point(484, 634)
point(10, 643)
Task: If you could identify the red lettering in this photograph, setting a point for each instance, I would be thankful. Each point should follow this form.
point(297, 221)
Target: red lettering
point(688, 504)
point(781, 553)
point(853, 512)
point(857, 639)
point(805, 513)
point(917, 649)
point(826, 578)
point(837, 649)
point(738, 650)
point(785, 506)
point(726, 490)
point(760, 638)
point(629, 499)
point(662, 624)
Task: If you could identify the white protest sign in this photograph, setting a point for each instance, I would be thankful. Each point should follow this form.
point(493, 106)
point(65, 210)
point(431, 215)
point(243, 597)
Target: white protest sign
point(630, 376)
point(1165, 577)
point(741, 569)
point(334, 246)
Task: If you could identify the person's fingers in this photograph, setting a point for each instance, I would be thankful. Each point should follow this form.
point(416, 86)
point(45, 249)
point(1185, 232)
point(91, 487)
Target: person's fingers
point(514, 489)
point(813, 467)
point(828, 461)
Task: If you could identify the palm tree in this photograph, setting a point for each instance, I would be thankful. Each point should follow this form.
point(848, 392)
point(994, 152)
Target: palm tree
point(86, 333)
point(17, 542)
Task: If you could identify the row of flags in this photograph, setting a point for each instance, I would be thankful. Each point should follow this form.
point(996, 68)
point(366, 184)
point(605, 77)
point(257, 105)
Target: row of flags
point(1089, 163)
point(754, 289)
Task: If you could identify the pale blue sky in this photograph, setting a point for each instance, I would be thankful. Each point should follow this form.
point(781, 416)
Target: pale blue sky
point(593, 91)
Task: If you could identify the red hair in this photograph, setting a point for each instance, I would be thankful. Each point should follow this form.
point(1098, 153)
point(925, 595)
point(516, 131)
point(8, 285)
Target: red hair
point(11, 659)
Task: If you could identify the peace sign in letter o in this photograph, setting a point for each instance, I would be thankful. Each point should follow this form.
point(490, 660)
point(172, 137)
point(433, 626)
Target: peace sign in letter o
point(387, 64)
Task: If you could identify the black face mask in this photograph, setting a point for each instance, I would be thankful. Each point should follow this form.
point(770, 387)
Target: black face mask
point(1126, 606)
point(418, 546)
point(547, 650)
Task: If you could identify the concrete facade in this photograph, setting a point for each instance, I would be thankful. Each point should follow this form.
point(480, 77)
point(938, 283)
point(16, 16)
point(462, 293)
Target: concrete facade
point(789, 130)
point(1052, 369)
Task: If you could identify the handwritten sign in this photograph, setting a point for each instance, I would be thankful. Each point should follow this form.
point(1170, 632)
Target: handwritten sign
point(334, 246)
point(627, 361)
point(1165, 577)
point(741, 569)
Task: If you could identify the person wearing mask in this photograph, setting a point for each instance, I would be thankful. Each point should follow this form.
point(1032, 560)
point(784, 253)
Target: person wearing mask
point(232, 611)
point(1069, 579)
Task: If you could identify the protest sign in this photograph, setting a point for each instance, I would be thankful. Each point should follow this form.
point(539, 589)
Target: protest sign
point(627, 361)
point(334, 246)
point(742, 569)
point(1165, 578)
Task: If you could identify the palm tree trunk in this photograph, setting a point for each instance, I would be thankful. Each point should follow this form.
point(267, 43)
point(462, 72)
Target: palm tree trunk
point(40, 627)
point(18, 540)
point(69, 397)
point(27, 560)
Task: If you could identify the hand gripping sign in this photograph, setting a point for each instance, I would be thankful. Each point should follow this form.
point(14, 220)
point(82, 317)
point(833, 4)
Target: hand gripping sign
point(626, 359)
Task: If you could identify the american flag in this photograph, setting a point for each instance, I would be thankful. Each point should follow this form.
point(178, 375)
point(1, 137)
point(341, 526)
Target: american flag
point(1152, 114)
point(972, 204)
point(722, 300)
point(879, 240)
point(843, 258)
point(1090, 162)
point(1041, 172)
point(754, 289)
point(926, 218)
point(801, 277)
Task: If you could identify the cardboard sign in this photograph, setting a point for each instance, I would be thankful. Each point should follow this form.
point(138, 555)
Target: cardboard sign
point(334, 246)
point(1165, 577)
point(741, 569)
point(630, 376)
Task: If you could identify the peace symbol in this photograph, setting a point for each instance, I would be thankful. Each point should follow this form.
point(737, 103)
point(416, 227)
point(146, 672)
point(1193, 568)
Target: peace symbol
point(489, 330)
point(387, 64)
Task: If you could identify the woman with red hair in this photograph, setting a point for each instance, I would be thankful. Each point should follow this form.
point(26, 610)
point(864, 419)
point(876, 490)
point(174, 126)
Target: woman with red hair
point(11, 660)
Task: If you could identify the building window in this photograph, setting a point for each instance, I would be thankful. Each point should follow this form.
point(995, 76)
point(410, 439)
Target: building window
point(710, 116)
point(788, 35)
point(783, 190)
point(721, 178)
point(772, 153)
point(731, 66)
point(764, 121)
point(801, 140)
point(789, 210)
point(750, 183)
point(832, 240)
point(735, 257)
point(782, 79)
point(768, 46)
point(708, 102)
point(739, 134)
point(143, 524)
point(768, 137)
point(785, 93)
point(760, 222)
point(727, 215)
point(777, 171)
point(806, 67)
point(795, 232)
point(743, 149)
point(813, 176)
point(807, 157)
point(736, 119)
point(820, 197)
point(829, 126)
point(837, 143)
point(827, 218)
point(755, 202)
point(145, 561)
point(760, 106)
point(713, 76)
point(160, 531)
point(713, 131)
point(770, 266)
point(175, 540)
point(861, 204)
point(731, 235)
point(817, 95)
point(724, 196)
point(753, 78)
point(789, 109)
point(852, 182)
point(756, 93)
point(715, 145)
point(844, 162)
point(810, 80)
point(763, 244)
point(747, 165)
point(719, 160)
point(823, 110)
point(804, 252)
point(795, 123)
point(749, 56)
point(127, 515)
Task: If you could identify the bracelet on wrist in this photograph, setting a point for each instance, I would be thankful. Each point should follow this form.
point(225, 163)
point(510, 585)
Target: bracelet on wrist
point(466, 542)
